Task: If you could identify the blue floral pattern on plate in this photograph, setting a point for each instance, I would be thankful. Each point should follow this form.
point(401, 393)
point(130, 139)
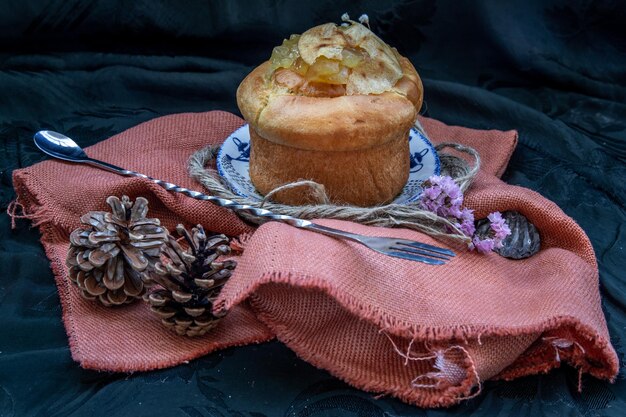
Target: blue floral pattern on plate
point(233, 163)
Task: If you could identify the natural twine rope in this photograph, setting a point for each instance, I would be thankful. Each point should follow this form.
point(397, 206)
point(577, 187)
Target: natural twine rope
point(391, 215)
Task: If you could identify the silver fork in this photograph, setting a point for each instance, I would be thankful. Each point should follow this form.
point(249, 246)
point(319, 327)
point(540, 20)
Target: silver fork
point(61, 147)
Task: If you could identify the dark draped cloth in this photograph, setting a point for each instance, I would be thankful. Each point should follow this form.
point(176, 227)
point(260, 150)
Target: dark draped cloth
point(553, 70)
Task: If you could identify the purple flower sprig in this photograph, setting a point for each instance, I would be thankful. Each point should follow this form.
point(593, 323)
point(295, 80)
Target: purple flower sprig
point(442, 196)
point(498, 231)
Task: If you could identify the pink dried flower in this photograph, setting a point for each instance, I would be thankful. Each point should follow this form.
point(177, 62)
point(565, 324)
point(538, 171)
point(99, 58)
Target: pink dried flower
point(442, 196)
point(467, 222)
point(498, 231)
point(453, 192)
point(499, 227)
point(432, 192)
point(482, 245)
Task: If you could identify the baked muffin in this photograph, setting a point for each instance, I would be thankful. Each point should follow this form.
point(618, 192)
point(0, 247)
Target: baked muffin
point(335, 106)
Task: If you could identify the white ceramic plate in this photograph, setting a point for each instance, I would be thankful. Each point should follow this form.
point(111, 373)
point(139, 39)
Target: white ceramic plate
point(233, 163)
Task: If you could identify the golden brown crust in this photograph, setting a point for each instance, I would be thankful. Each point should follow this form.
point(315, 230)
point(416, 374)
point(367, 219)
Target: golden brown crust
point(365, 177)
point(356, 145)
point(335, 124)
point(253, 92)
point(328, 123)
point(410, 85)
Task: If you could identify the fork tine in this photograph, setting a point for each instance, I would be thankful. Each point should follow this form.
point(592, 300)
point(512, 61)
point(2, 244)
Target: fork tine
point(425, 246)
point(411, 257)
point(422, 252)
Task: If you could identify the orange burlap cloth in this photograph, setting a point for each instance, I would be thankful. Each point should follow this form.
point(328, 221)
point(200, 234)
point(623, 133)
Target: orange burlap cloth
point(427, 335)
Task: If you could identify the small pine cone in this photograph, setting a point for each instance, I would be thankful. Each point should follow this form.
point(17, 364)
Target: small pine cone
point(190, 281)
point(110, 255)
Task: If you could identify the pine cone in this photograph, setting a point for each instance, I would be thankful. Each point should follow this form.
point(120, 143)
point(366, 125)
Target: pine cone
point(109, 257)
point(190, 281)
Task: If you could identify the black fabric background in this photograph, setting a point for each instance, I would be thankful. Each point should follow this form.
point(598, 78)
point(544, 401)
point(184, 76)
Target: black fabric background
point(554, 70)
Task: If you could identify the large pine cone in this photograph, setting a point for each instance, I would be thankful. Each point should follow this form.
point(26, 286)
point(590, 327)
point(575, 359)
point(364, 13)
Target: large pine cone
point(190, 281)
point(110, 256)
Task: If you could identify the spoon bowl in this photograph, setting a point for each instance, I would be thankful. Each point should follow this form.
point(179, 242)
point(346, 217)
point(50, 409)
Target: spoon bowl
point(60, 146)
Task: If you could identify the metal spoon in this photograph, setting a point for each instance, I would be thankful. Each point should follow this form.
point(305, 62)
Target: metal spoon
point(60, 146)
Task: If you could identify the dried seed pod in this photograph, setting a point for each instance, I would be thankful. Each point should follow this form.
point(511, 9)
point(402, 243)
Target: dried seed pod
point(524, 240)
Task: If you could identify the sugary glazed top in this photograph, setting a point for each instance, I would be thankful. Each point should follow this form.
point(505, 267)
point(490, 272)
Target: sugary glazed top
point(330, 60)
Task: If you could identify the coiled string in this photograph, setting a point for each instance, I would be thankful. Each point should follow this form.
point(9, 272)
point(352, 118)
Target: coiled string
point(391, 215)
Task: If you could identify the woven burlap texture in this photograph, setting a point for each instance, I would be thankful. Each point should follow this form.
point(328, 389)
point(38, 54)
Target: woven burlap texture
point(427, 335)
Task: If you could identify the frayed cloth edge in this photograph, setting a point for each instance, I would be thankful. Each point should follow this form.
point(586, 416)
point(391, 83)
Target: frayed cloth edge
point(450, 334)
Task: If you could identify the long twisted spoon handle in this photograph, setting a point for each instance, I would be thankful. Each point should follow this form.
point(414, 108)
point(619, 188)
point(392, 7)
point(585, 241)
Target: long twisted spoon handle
point(222, 202)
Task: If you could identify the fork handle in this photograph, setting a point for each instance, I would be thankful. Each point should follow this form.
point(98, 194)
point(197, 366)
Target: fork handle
point(329, 231)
